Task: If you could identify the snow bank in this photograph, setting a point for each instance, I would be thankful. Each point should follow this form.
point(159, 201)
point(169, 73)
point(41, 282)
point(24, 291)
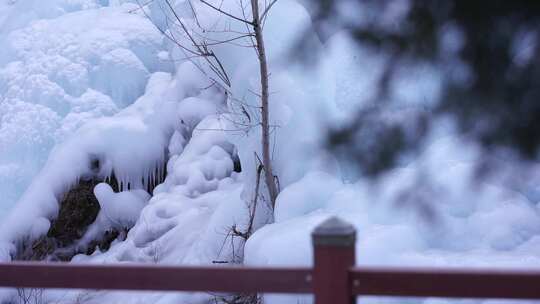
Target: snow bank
point(452, 221)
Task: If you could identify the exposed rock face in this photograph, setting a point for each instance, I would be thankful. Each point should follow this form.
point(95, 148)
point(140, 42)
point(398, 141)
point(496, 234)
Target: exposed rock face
point(236, 163)
point(105, 242)
point(78, 209)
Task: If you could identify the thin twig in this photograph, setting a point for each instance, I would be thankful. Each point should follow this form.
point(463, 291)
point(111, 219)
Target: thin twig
point(225, 13)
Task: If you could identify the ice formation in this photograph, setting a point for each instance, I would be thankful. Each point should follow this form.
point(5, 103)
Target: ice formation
point(63, 63)
point(91, 88)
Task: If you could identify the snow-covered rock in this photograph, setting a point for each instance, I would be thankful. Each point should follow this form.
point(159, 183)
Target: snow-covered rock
point(121, 209)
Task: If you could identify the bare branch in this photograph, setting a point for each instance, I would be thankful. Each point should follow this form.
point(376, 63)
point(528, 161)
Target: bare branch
point(219, 70)
point(225, 13)
point(141, 6)
point(267, 9)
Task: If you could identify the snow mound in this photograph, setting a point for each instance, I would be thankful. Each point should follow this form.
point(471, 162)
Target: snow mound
point(309, 194)
point(121, 209)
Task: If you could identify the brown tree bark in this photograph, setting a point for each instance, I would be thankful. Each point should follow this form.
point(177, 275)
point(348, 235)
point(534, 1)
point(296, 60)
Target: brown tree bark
point(265, 123)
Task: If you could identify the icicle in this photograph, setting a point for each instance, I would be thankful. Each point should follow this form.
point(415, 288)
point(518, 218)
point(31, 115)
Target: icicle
point(156, 170)
point(153, 178)
point(160, 171)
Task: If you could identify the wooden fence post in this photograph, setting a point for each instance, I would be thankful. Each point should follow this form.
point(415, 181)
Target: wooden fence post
point(334, 255)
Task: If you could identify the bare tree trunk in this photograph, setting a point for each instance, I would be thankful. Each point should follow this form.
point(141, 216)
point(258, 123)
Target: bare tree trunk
point(265, 124)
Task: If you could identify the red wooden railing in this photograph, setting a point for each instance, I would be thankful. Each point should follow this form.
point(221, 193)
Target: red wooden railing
point(333, 278)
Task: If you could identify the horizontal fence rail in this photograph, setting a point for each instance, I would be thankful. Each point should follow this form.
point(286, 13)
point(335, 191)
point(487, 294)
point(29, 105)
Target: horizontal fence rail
point(446, 283)
point(158, 278)
point(415, 282)
point(333, 279)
